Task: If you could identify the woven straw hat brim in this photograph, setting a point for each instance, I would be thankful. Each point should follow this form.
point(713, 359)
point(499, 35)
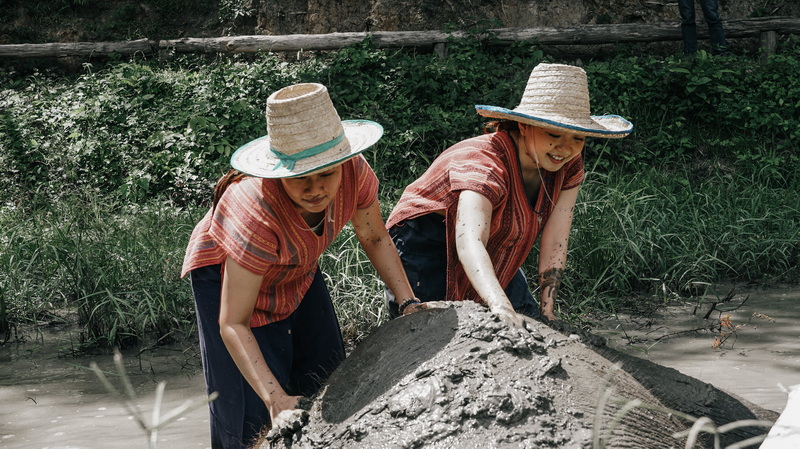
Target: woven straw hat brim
point(609, 126)
point(256, 159)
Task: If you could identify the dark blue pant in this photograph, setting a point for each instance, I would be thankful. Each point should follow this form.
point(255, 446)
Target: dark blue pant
point(689, 29)
point(422, 246)
point(302, 351)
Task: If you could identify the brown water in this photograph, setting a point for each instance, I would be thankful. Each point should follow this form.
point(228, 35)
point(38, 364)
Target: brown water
point(752, 362)
point(51, 401)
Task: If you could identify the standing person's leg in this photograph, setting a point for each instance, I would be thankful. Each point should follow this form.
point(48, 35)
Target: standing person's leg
point(688, 26)
point(221, 373)
point(238, 415)
point(317, 343)
point(716, 33)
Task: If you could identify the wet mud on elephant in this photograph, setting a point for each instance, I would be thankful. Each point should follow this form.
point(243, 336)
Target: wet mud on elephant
point(456, 377)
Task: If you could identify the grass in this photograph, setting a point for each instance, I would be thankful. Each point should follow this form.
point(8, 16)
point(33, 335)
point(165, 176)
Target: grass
point(664, 231)
point(117, 265)
point(113, 266)
point(355, 287)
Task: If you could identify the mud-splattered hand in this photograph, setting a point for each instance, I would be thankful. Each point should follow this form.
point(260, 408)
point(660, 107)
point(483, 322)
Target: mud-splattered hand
point(509, 316)
point(548, 316)
point(414, 308)
point(287, 423)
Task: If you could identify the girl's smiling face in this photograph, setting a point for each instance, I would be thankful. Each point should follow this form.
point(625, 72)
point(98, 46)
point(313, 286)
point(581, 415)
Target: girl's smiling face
point(549, 149)
point(313, 193)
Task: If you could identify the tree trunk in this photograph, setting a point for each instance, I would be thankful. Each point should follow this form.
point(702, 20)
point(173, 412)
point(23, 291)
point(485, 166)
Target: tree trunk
point(82, 49)
point(583, 35)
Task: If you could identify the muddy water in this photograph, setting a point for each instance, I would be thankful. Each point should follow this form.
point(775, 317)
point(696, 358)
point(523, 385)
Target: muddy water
point(51, 401)
point(753, 361)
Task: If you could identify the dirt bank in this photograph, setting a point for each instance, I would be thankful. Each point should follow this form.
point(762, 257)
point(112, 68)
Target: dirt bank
point(320, 16)
point(115, 20)
point(456, 377)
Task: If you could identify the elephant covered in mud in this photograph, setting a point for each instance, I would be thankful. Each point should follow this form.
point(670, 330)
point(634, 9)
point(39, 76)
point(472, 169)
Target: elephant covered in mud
point(457, 377)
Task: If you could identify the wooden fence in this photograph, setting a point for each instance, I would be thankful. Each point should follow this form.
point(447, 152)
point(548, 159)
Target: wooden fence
point(767, 28)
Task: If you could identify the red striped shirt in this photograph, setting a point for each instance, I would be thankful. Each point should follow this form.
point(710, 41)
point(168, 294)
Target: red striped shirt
point(258, 226)
point(489, 165)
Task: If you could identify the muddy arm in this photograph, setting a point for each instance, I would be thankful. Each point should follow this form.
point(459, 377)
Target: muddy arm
point(553, 251)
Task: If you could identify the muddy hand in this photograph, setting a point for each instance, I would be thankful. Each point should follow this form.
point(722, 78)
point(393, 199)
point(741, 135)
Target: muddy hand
point(415, 308)
point(287, 423)
point(510, 317)
point(548, 317)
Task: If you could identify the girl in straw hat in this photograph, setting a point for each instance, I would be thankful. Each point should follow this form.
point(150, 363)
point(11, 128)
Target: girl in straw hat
point(268, 332)
point(465, 227)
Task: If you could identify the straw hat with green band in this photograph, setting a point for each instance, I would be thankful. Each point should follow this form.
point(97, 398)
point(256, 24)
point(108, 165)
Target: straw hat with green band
point(304, 135)
point(557, 97)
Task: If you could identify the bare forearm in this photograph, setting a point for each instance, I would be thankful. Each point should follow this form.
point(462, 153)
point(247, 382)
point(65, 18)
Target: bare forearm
point(240, 289)
point(480, 272)
point(246, 353)
point(551, 272)
point(371, 232)
point(553, 251)
point(473, 221)
point(383, 255)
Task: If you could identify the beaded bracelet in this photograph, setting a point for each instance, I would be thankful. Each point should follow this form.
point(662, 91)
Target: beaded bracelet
point(407, 302)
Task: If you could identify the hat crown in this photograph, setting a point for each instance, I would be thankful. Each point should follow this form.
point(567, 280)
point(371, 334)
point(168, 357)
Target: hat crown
point(557, 97)
point(304, 135)
point(301, 117)
point(556, 90)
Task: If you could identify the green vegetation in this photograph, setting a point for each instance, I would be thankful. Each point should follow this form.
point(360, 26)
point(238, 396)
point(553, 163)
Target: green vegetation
point(116, 266)
point(105, 173)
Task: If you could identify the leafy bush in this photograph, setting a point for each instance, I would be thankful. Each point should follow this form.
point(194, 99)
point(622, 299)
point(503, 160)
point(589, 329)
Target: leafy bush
point(143, 129)
point(737, 111)
point(705, 189)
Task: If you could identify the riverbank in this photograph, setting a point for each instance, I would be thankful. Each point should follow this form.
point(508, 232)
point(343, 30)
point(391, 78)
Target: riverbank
point(760, 351)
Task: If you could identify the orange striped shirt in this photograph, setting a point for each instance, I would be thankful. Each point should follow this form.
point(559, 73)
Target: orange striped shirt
point(489, 165)
point(258, 226)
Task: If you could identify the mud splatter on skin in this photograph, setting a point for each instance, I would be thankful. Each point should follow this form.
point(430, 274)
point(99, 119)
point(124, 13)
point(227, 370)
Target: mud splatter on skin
point(550, 281)
point(458, 377)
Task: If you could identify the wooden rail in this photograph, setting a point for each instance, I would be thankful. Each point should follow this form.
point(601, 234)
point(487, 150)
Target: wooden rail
point(765, 27)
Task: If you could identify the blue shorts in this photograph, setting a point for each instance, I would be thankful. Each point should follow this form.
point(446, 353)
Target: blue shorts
point(301, 351)
point(422, 246)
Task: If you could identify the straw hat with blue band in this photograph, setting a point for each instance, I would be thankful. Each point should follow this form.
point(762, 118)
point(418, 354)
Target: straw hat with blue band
point(304, 135)
point(557, 98)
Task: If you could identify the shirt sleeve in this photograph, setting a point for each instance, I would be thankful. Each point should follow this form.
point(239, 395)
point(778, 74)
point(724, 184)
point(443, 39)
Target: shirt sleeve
point(367, 183)
point(481, 171)
point(242, 225)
